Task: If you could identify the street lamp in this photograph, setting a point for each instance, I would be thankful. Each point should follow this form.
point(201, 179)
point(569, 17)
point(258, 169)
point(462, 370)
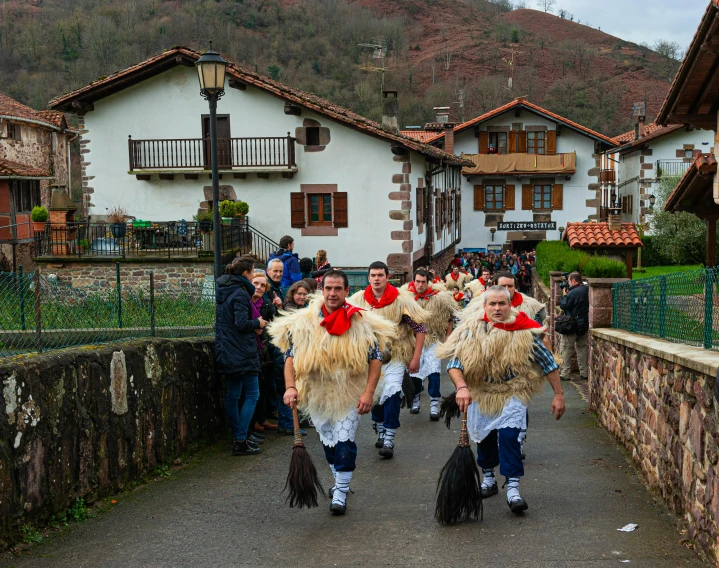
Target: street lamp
point(493, 230)
point(561, 232)
point(652, 201)
point(211, 72)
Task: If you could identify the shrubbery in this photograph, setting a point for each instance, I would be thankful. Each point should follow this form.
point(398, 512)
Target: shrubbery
point(557, 256)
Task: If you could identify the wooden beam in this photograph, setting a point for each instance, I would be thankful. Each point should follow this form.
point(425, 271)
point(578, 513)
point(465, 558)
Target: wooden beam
point(143, 177)
point(704, 89)
point(288, 175)
point(239, 176)
point(263, 175)
point(192, 176)
point(237, 84)
point(292, 109)
point(180, 60)
point(82, 106)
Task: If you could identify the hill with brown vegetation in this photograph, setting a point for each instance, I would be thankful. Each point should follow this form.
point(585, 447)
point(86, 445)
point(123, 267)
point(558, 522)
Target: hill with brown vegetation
point(439, 52)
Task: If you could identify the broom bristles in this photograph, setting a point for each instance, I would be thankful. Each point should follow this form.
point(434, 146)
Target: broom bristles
point(302, 480)
point(459, 493)
point(407, 391)
point(449, 409)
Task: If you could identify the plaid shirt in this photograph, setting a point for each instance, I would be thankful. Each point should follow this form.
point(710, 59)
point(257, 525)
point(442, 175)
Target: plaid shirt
point(540, 354)
point(416, 327)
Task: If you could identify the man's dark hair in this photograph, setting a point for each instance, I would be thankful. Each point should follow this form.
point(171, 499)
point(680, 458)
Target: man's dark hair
point(504, 274)
point(422, 272)
point(239, 265)
point(456, 255)
point(286, 241)
point(378, 265)
point(305, 265)
point(334, 273)
point(575, 277)
point(485, 269)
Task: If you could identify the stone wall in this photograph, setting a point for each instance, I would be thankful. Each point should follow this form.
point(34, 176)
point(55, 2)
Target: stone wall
point(658, 399)
point(133, 272)
point(86, 422)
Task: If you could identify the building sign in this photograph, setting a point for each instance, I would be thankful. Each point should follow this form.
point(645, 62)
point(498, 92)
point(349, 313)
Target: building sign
point(497, 249)
point(526, 226)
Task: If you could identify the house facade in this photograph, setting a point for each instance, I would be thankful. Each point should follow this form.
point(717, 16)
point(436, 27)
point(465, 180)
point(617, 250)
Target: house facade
point(34, 155)
point(532, 173)
point(307, 168)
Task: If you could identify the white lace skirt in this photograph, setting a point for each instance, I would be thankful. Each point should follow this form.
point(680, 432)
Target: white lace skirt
point(428, 363)
point(393, 372)
point(333, 431)
point(513, 415)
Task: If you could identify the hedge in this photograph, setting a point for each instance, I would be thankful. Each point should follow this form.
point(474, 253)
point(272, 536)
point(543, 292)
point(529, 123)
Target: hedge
point(557, 256)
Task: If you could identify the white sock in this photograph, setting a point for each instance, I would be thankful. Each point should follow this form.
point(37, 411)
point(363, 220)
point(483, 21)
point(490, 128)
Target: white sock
point(512, 489)
point(415, 402)
point(389, 436)
point(434, 405)
point(488, 478)
point(379, 428)
point(334, 473)
point(342, 487)
point(522, 436)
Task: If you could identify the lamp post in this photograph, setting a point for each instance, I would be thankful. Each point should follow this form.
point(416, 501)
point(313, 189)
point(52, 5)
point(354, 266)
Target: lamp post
point(211, 72)
point(493, 230)
point(652, 201)
point(561, 232)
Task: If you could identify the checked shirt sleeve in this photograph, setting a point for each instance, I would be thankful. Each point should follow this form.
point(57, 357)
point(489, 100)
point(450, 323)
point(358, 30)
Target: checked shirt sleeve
point(290, 352)
point(455, 364)
point(375, 354)
point(543, 357)
point(416, 327)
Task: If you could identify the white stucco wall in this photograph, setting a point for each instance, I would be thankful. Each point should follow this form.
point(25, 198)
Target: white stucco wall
point(576, 190)
point(169, 106)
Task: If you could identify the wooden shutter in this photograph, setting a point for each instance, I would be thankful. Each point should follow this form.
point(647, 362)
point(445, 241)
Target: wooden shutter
point(339, 202)
point(512, 142)
point(551, 142)
point(557, 196)
point(297, 207)
point(527, 197)
point(479, 198)
point(509, 197)
point(522, 141)
point(484, 142)
point(420, 206)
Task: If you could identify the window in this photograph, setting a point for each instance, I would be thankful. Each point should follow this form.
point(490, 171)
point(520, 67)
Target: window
point(542, 197)
point(499, 141)
point(13, 131)
point(536, 142)
point(493, 198)
point(320, 209)
point(26, 195)
point(688, 153)
point(313, 136)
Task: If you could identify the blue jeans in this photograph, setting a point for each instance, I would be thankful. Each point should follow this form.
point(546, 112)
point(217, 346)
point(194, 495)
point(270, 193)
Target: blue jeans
point(284, 412)
point(388, 413)
point(343, 455)
point(432, 385)
point(240, 419)
point(507, 454)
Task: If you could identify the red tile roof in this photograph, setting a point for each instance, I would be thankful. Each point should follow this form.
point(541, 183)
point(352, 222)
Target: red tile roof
point(651, 132)
point(520, 102)
point(13, 169)
point(421, 135)
point(589, 235)
point(179, 55)
point(10, 107)
point(703, 164)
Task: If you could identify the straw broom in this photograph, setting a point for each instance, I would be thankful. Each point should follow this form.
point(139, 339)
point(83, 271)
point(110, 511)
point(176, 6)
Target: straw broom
point(459, 495)
point(302, 479)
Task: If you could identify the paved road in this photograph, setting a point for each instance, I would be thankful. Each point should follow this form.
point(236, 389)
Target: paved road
point(226, 511)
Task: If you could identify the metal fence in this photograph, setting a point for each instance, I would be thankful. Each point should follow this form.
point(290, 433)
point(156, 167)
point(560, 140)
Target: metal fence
point(38, 313)
point(681, 307)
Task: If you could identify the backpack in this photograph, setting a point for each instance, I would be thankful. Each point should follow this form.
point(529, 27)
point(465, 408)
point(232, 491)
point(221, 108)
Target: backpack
point(565, 325)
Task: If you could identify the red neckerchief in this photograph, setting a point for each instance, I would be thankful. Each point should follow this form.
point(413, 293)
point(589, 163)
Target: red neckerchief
point(522, 322)
point(417, 296)
point(517, 300)
point(436, 279)
point(455, 278)
point(339, 321)
point(482, 282)
point(457, 295)
point(388, 296)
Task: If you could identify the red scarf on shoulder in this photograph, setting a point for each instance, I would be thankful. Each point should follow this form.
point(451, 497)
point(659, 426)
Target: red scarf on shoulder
point(482, 282)
point(339, 321)
point(455, 278)
point(457, 295)
point(388, 296)
point(417, 296)
point(522, 322)
point(517, 300)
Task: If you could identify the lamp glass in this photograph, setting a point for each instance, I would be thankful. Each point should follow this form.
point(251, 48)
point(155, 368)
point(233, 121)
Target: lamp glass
point(652, 200)
point(211, 72)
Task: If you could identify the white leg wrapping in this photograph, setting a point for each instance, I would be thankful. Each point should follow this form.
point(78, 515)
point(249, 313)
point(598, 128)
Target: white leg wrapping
point(342, 487)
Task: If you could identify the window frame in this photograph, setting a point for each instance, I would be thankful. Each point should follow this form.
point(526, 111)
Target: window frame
point(544, 197)
point(492, 189)
point(323, 200)
point(534, 138)
point(14, 132)
point(26, 191)
point(500, 141)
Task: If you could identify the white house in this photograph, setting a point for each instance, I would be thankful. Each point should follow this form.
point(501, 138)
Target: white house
point(645, 156)
point(544, 174)
point(332, 179)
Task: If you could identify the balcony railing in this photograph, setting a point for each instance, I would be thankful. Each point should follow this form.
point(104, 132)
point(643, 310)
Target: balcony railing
point(608, 176)
point(171, 239)
point(194, 153)
point(671, 168)
point(521, 164)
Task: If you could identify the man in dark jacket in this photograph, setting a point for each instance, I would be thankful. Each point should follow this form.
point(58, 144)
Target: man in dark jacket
point(575, 303)
point(290, 260)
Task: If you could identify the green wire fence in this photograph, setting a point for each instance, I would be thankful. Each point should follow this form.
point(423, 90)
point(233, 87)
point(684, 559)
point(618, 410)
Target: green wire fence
point(681, 307)
point(38, 313)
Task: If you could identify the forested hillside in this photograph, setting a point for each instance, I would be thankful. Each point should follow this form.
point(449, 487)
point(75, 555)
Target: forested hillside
point(439, 52)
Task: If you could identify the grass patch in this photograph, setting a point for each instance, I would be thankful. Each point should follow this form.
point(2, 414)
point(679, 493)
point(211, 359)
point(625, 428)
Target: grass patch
point(650, 271)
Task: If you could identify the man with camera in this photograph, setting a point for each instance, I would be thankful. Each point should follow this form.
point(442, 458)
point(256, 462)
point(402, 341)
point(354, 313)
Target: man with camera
point(573, 326)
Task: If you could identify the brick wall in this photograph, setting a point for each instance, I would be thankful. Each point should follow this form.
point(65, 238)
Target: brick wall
point(441, 263)
point(658, 399)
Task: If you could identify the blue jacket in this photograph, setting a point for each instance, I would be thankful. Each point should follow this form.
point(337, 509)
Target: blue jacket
point(235, 343)
point(291, 261)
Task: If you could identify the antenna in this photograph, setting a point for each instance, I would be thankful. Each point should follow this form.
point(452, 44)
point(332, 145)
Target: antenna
point(379, 52)
point(510, 64)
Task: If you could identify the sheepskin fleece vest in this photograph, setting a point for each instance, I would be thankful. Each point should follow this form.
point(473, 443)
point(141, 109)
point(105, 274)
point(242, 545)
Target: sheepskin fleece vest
point(529, 306)
point(442, 308)
point(488, 354)
point(474, 287)
point(402, 348)
point(330, 370)
point(460, 283)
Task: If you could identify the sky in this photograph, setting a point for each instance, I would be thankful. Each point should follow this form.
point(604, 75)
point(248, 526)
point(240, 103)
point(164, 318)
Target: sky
point(638, 20)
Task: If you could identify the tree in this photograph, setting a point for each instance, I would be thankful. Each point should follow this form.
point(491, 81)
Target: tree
point(547, 5)
point(668, 49)
point(563, 13)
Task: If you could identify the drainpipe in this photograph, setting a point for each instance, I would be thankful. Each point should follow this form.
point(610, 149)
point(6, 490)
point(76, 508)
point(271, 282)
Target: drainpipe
point(715, 185)
point(69, 174)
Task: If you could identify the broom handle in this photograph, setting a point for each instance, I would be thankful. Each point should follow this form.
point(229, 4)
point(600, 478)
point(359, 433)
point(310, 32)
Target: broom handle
point(298, 437)
point(463, 433)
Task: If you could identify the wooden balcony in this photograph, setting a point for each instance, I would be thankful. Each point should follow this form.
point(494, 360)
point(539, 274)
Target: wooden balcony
point(521, 164)
point(608, 176)
point(191, 157)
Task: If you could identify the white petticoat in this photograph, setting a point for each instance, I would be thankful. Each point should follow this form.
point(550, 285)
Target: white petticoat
point(428, 363)
point(513, 415)
point(392, 380)
point(333, 431)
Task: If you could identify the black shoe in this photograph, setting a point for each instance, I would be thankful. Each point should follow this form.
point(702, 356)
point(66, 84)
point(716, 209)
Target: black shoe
point(518, 506)
point(380, 440)
point(583, 378)
point(337, 509)
point(387, 451)
point(256, 434)
point(489, 491)
point(306, 423)
point(254, 439)
point(290, 431)
point(434, 416)
point(244, 448)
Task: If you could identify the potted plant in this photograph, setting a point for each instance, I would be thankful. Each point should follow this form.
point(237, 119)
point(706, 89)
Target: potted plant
point(117, 217)
point(228, 211)
point(81, 245)
point(241, 210)
point(39, 218)
point(204, 218)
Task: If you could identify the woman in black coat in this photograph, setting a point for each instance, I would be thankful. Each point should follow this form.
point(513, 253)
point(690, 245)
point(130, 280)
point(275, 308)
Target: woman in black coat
point(236, 354)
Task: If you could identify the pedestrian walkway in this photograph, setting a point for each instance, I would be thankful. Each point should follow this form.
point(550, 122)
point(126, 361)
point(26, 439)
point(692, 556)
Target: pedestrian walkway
point(226, 511)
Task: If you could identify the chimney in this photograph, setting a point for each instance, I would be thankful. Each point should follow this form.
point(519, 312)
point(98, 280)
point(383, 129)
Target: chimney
point(449, 138)
point(390, 111)
point(442, 115)
point(641, 126)
point(614, 222)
